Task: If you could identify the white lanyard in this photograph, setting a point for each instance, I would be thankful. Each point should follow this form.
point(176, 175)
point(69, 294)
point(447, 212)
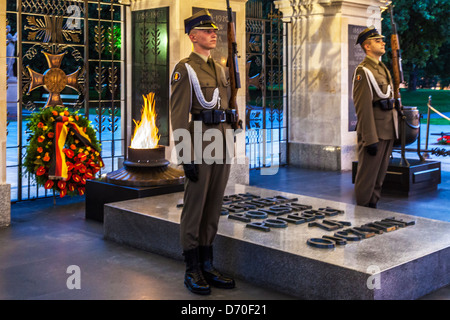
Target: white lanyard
point(371, 79)
point(198, 91)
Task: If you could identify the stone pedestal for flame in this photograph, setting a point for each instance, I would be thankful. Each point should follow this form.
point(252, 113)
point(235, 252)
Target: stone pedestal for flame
point(146, 168)
point(145, 173)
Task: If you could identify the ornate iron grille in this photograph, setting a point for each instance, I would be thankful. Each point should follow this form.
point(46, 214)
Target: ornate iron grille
point(89, 33)
point(265, 111)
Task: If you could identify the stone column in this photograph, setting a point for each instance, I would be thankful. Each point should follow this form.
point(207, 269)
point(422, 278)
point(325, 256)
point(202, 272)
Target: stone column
point(180, 47)
point(5, 189)
point(320, 133)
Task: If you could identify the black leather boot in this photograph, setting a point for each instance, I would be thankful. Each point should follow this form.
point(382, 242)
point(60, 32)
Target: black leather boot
point(211, 274)
point(193, 278)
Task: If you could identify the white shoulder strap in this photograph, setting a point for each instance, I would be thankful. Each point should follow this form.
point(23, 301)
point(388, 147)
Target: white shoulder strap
point(198, 91)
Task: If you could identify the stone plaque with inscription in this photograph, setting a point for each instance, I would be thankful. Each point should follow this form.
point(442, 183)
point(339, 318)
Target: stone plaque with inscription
point(355, 56)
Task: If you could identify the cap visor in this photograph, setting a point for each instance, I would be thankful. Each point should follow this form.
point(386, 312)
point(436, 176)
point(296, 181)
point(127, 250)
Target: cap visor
point(207, 26)
point(379, 36)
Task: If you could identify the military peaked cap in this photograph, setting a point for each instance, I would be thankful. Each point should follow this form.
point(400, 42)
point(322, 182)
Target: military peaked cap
point(201, 20)
point(368, 33)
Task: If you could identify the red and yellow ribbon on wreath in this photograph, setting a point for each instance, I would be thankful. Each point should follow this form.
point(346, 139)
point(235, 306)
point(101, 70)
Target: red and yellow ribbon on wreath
point(64, 125)
point(63, 151)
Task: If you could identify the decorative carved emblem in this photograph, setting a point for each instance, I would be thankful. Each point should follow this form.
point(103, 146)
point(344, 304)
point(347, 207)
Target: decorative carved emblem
point(50, 29)
point(54, 80)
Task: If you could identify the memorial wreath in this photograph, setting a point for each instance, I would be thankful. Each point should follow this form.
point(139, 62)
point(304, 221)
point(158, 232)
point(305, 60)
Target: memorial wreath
point(63, 151)
point(444, 140)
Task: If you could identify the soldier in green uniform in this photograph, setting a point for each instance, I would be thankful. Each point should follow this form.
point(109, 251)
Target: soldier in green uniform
point(377, 125)
point(199, 105)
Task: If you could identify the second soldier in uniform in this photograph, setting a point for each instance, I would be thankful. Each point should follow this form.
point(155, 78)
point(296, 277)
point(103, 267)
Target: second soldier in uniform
point(377, 126)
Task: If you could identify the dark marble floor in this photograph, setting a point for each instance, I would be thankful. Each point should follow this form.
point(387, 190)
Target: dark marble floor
point(46, 238)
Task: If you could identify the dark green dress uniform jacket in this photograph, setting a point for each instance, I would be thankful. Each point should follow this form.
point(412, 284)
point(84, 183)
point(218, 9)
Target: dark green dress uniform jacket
point(374, 126)
point(203, 198)
point(373, 123)
point(184, 100)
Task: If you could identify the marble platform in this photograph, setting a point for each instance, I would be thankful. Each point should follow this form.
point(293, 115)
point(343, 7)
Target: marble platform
point(403, 264)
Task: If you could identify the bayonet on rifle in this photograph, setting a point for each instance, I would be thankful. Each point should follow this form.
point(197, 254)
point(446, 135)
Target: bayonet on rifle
point(232, 64)
point(396, 57)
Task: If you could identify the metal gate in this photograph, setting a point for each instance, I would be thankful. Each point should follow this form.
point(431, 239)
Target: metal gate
point(265, 111)
point(90, 34)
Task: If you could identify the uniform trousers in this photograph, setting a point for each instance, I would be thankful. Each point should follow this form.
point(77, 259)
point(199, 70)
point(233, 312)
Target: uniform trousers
point(371, 172)
point(202, 205)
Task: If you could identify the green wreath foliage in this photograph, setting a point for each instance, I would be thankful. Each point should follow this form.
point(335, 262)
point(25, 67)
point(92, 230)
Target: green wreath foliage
point(83, 162)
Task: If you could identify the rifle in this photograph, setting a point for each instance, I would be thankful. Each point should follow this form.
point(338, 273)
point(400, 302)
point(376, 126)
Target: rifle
point(398, 78)
point(233, 67)
point(396, 60)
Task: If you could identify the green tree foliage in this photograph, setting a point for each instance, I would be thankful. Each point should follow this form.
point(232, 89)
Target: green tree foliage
point(423, 27)
point(441, 65)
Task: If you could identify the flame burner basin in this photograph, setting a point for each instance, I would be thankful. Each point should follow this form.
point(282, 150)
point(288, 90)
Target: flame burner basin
point(146, 168)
